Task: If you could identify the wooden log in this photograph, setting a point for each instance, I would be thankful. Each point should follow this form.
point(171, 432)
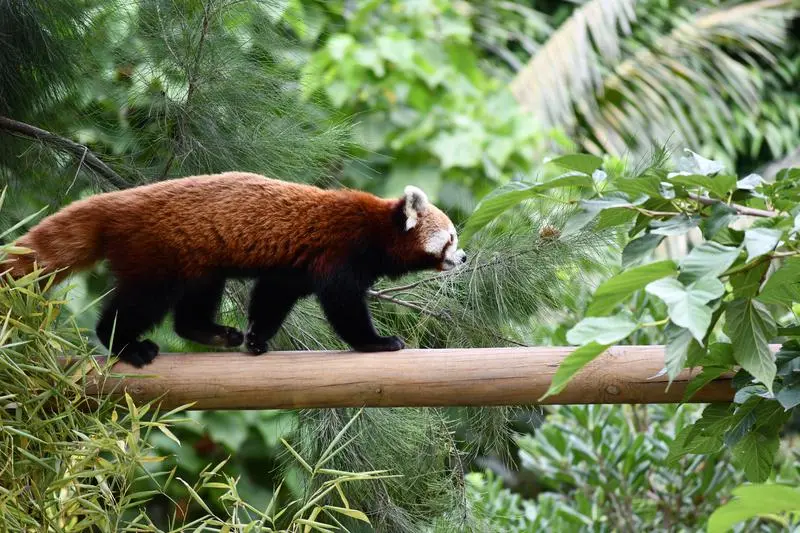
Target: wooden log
point(450, 377)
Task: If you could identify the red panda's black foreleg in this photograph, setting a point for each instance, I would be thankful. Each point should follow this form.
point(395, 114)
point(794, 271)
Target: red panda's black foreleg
point(343, 301)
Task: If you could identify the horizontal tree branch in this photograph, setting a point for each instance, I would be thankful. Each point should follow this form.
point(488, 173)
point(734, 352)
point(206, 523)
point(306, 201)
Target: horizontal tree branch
point(742, 210)
point(450, 377)
point(21, 129)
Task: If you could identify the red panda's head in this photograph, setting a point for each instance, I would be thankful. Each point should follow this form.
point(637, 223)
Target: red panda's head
point(428, 232)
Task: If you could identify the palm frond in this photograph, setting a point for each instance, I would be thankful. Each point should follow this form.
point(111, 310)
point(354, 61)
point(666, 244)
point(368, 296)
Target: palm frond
point(564, 70)
point(684, 85)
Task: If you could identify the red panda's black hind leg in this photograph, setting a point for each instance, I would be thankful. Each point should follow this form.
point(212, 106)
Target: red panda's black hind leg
point(196, 310)
point(131, 312)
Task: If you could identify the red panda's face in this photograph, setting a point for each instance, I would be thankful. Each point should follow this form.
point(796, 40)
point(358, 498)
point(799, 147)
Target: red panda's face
point(432, 231)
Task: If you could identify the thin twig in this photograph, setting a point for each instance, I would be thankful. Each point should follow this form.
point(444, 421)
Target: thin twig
point(78, 171)
point(405, 303)
point(21, 129)
point(742, 210)
point(440, 315)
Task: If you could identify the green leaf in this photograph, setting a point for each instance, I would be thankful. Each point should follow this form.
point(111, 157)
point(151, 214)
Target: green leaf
point(589, 209)
point(686, 305)
point(460, 149)
point(511, 194)
point(789, 395)
point(745, 284)
point(720, 186)
point(755, 455)
point(721, 215)
point(584, 163)
point(571, 365)
point(676, 349)
point(710, 259)
point(674, 226)
point(706, 376)
point(602, 330)
point(616, 289)
point(750, 326)
point(640, 248)
point(615, 216)
point(783, 287)
point(760, 241)
point(752, 501)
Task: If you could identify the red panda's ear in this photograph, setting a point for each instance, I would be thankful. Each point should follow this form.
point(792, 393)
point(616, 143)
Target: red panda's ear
point(415, 201)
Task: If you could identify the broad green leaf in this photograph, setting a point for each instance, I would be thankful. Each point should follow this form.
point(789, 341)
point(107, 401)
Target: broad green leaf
point(615, 216)
point(746, 284)
point(589, 209)
point(710, 259)
point(677, 225)
point(694, 163)
point(702, 437)
point(571, 365)
point(760, 241)
point(720, 186)
point(720, 217)
point(706, 376)
point(749, 182)
point(676, 349)
point(584, 163)
point(618, 288)
point(569, 179)
point(789, 395)
point(783, 287)
point(601, 330)
point(687, 304)
point(752, 501)
point(755, 455)
point(639, 249)
point(461, 149)
point(511, 194)
point(750, 326)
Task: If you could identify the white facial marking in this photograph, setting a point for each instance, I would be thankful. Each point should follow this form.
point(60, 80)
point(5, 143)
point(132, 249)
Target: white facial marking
point(416, 201)
point(453, 256)
point(437, 241)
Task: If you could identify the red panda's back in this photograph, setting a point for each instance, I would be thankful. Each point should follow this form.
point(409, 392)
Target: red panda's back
point(189, 226)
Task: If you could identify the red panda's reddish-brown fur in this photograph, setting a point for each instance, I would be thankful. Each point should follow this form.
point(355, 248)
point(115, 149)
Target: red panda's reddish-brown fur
point(171, 246)
point(187, 227)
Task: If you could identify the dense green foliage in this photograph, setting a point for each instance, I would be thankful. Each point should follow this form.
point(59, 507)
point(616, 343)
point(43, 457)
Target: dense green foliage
point(418, 92)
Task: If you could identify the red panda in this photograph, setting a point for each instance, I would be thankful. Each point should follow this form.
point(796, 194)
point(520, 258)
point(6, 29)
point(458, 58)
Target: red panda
point(171, 246)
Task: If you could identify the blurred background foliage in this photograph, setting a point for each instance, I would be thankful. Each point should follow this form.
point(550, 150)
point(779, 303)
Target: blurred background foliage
point(459, 98)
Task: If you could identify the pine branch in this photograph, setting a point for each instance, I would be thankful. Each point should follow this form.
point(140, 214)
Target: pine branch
point(21, 129)
point(191, 75)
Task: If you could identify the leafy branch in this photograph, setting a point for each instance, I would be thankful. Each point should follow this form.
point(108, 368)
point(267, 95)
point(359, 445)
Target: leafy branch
point(85, 156)
point(718, 308)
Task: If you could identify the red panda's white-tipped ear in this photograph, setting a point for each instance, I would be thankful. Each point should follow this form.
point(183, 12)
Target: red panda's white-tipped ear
point(416, 201)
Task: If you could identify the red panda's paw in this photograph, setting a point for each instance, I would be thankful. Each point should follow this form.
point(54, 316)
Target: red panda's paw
point(139, 353)
point(230, 338)
point(255, 344)
point(383, 344)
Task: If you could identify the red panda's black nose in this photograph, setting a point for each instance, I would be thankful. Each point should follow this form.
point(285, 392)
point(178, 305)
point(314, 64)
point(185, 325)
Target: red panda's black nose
point(464, 258)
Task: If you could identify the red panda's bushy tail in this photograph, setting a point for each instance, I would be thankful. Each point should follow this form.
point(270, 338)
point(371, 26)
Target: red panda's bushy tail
point(67, 241)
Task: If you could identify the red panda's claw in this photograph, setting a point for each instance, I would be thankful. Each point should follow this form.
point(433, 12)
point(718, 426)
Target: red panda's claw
point(255, 345)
